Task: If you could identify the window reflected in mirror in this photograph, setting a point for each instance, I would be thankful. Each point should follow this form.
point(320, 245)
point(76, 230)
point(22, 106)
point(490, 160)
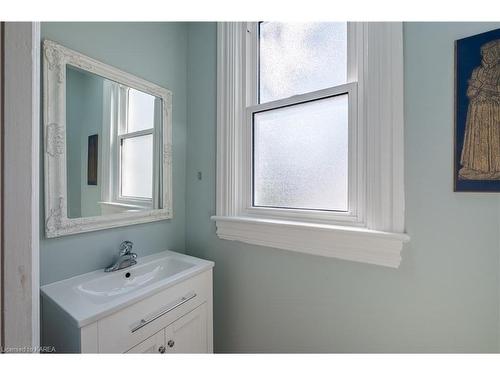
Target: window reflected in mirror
point(113, 146)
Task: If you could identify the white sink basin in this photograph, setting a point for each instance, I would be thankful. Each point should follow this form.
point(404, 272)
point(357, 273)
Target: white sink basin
point(89, 297)
point(110, 286)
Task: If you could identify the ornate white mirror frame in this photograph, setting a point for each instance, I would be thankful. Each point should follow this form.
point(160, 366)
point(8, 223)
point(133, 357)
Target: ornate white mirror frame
point(57, 222)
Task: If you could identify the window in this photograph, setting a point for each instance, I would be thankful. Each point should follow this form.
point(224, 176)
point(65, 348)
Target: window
point(132, 176)
point(135, 138)
point(310, 138)
point(300, 125)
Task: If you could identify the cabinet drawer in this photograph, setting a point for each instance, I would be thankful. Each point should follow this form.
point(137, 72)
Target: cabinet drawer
point(124, 329)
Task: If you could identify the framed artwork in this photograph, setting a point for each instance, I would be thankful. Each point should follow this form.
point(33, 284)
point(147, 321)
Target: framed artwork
point(92, 159)
point(477, 113)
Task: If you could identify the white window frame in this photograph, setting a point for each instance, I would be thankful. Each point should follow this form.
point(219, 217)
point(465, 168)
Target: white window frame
point(115, 117)
point(354, 215)
point(372, 230)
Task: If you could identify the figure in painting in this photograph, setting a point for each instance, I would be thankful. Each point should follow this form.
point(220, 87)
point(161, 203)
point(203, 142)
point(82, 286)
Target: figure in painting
point(480, 158)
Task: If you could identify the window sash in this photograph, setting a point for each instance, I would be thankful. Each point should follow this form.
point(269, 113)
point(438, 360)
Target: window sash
point(354, 58)
point(127, 198)
point(353, 215)
point(297, 102)
point(304, 214)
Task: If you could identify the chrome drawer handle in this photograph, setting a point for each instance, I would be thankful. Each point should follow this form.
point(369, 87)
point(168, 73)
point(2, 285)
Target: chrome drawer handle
point(176, 304)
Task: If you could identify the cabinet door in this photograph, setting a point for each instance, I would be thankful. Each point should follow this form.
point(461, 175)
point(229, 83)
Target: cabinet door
point(153, 344)
point(188, 334)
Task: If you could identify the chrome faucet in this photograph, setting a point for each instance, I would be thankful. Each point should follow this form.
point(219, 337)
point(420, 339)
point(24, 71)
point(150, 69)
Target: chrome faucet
point(127, 258)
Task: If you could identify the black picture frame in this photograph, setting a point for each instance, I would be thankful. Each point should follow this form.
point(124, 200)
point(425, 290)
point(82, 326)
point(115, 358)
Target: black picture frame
point(92, 159)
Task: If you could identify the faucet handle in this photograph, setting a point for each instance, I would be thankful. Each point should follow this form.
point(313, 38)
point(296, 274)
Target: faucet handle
point(126, 247)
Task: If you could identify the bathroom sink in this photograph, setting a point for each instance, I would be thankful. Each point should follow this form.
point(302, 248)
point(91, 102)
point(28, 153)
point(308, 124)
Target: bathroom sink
point(110, 286)
point(89, 297)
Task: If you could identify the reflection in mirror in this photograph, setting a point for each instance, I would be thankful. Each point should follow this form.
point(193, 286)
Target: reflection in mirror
point(113, 146)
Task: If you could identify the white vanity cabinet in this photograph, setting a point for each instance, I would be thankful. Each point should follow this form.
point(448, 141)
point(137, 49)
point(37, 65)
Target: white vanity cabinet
point(173, 315)
point(188, 334)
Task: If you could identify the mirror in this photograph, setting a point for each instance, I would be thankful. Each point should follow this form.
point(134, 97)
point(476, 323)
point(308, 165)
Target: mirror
point(111, 129)
point(108, 145)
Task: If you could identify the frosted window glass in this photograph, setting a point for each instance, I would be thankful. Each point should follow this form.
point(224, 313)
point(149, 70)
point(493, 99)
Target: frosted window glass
point(137, 166)
point(296, 58)
point(300, 155)
point(141, 111)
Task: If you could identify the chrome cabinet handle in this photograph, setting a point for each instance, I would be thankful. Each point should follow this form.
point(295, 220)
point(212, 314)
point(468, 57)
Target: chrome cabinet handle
point(176, 304)
point(171, 343)
point(161, 349)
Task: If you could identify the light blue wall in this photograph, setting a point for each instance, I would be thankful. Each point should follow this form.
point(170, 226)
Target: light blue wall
point(445, 295)
point(83, 118)
point(156, 52)
point(443, 298)
point(91, 124)
point(74, 107)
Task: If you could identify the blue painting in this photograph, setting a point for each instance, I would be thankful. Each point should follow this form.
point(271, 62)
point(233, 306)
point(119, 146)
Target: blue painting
point(477, 113)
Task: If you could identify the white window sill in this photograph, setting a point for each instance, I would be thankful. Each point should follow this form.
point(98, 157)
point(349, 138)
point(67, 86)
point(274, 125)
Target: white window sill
point(348, 243)
point(123, 205)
